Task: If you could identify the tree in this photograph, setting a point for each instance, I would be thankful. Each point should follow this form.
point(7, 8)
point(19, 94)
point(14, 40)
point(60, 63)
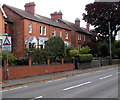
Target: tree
point(99, 14)
point(116, 50)
point(103, 49)
point(55, 45)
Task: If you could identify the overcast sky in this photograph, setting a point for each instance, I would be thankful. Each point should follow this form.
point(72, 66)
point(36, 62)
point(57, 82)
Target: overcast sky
point(71, 9)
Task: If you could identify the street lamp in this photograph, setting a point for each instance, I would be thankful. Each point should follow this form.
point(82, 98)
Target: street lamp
point(110, 59)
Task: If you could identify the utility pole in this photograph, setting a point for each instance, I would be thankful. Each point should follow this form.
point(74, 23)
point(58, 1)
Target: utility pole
point(110, 59)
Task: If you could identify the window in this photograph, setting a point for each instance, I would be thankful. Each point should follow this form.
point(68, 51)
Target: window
point(54, 32)
point(79, 36)
point(31, 45)
point(30, 27)
point(60, 33)
point(84, 38)
point(79, 46)
point(66, 35)
point(40, 30)
point(44, 30)
point(5, 27)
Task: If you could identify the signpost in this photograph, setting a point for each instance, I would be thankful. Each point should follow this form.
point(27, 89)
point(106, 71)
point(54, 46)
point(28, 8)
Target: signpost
point(6, 46)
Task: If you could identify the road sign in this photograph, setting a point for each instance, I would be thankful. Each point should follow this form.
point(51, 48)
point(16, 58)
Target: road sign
point(6, 44)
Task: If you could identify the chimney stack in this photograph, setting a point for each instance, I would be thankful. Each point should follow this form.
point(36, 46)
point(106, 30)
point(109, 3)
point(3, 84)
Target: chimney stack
point(77, 21)
point(88, 27)
point(30, 7)
point(56, 15)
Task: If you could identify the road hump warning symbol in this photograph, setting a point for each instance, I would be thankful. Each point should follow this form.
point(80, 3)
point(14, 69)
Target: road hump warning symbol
point(6, 41)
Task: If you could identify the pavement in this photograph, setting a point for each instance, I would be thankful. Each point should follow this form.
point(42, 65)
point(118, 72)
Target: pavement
point(51, 76)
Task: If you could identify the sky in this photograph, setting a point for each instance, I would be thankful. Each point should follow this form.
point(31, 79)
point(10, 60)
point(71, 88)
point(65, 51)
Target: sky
point(71, 9)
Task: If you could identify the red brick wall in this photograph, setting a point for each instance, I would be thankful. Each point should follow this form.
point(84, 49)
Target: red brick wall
point(17, 33)
point(1, 23)
point(25, 71)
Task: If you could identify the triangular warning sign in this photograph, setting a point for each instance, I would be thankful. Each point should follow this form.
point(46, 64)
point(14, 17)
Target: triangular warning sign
point(6, 41)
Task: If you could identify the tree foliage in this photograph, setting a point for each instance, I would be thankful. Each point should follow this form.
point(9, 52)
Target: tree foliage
point(37, 55)
point(99, 14)
point(104, 49)
point(73, 53)
point(55, 45)
point(84, 50)
point(116, 50)
point(11, 57)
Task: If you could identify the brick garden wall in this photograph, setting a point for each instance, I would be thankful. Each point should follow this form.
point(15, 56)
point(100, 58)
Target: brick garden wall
point(26, 71)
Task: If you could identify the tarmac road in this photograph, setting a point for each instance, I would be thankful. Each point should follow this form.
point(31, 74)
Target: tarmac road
point(99, 84)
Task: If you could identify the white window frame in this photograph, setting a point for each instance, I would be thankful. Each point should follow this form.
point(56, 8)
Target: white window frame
point(84, 38)
point(79, 46)
point(30, 27)
point(41, 30)
point(60, 33)
point(66, 35)
point(54, 32)
point(79, 36)
point(44, 30)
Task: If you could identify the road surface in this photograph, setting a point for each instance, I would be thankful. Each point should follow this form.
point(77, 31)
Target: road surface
point(99, 84)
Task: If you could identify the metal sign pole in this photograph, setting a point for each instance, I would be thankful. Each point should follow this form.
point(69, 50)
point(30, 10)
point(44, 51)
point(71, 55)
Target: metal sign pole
point(7, 70)
point(110, 62)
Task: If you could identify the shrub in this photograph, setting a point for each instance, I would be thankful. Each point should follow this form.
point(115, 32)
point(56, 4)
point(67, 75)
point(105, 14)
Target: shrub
point(73, 53)
point(38, 56)
point(84, 50)
point(55, 45)
point(11, 57)
point(68, 48)
point(85, 57)
point(116, 50)
point(21, 61)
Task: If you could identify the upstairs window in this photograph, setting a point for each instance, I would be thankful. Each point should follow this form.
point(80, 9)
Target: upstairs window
point(60, 33)
point(84, 38)
point(79, 36)
point(79, 46)
point(54, 32)
point(44, 30)
point(5, 27)
point(30, 27)
point(41, 30)
point(66, 35)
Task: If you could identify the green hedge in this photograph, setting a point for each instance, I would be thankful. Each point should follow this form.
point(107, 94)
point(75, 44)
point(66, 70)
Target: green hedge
point(85, 57)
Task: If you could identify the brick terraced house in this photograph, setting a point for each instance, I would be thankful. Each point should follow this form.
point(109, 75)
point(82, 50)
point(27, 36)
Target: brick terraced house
point(28, 27)
point(80, 36)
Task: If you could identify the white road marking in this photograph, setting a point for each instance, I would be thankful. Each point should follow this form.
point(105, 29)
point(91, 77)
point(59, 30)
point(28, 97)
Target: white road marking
point(77, 85)
point(38, 97)
point(118, 73)
point(105, 77)
point(13, 88)
point(55, 80)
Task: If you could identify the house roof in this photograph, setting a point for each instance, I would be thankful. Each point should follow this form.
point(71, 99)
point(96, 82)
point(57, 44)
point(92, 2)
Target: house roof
point(36, 17)
point(75, 27)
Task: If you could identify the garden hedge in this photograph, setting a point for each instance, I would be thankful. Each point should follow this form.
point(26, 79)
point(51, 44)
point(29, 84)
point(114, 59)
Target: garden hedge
point(85, 57)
